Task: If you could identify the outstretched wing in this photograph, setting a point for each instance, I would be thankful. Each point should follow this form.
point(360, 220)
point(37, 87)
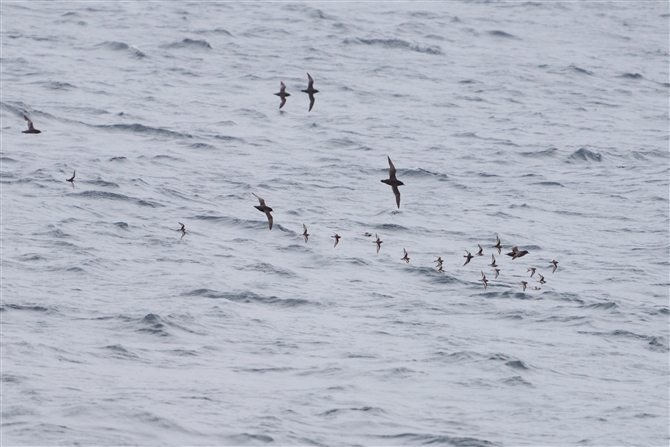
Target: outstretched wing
point(391, 168)
point(396, 191)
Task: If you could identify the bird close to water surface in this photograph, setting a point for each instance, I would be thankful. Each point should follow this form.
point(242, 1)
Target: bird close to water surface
point(555, 265)
point(468, 257)
point(532, 271)
point(182, 229)
point(379, 242)
point(31, 128)
point(393, 182)
point(516, 253)
point(337, 239)
point(310, 91)
point(282, 94)
point(484, 280)
point(524, 284)
point(481, 250)
point(264, 209)
point(405, 258)
point(305, 234)
point(493, 264)
point(497, 245)
point(71, 179)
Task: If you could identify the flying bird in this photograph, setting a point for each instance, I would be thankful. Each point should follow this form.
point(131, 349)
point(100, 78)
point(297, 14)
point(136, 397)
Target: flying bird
point(264, 209)
point(497, 245)
point(394, 182)
point(439, 260)
point(31, 128)
point(481, 250)
point(304, 233)
point(497, 273)
point(366, 234)
point(524, 284)
point(71, 179)
point(542, 281)
point(378, 242)
point(532, 271)
point(484, 280)
point(555, 265)
point(405, 258)
point(310, 91)
point(468, 256)
point(439, 269)
point(516, 253)
point(282, 94)
point(493, 264)
point(337, 239)
point(182, 229)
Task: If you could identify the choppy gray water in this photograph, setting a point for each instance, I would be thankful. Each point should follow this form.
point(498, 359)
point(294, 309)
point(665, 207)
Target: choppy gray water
point(544, 123)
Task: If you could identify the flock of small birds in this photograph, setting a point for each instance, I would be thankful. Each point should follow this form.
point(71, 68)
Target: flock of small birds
point(391, 181)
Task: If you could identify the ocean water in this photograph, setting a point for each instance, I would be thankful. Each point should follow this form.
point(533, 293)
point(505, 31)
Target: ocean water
point(544, 123)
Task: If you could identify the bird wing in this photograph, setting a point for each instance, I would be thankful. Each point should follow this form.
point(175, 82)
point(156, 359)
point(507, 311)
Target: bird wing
point(30, 123)
point(311, 102)
point(396, 191)
point(267, 213)
point(283, 87)
point(310, 81)
point(391, 168)
point(259, 199)
point(283, 101)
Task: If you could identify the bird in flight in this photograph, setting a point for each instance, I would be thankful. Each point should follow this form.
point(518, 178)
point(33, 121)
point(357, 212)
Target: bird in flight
point(282, 94)
point(71, 179)
point(405, 258)
point(305, 234)
point(337, 239)
point(31, 128)
point(264, 209)
point(393, 181)
point(310, 91)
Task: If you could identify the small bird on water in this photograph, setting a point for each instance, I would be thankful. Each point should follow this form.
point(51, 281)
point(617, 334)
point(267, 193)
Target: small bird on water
point(305, 234)
point(379, 242)
point(282, 94)
point(366, 234)
point(468, 256)
point(310, 91)
point(71, 179)
point(516, 253)
point(337, 239)
point(31, 128)
point(264, 209)
point(405, 258)
point(394, 182)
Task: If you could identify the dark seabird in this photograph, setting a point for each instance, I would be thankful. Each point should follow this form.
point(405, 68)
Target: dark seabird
point(264, 209)
point(524, 284)
point(366, 234)
point(337, 239)
point(31, 129)
point(484, 280)
point(536, 288)
point(516, 253)
point(439, 260)
point(481, 250)
point(71, 179)
point(378, 242)
point(440, 269)
point(394, 182)
point(310, 91)
point(493, 264)
point(182, 229)
point(468, 256)
point(405, 258)
point(304, 233)
point(532, 271)
point(282, 94)
point(542, 281)
point(555, 265)
point(497, 273)
point(497, 245)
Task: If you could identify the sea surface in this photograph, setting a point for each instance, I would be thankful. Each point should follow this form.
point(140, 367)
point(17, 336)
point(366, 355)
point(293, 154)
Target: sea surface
point(544, 123)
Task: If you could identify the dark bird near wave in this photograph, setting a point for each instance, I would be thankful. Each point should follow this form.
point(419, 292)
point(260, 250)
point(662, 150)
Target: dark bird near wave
point(497, 273)
point(497, 245)
point(366, 234)
point(264, 209)
point(305, 234)
point(393, 182)
point(439, 269)
point(524, 284)
point(532, 271)
point(468, 256)
point(31, 128)
point(337, 239)
point(542, 281)
point(439, 260)
point(484, 280)
point(282, 94)
point(493, 264)
point(405, 258)
point(379, 242)
point(182, 229)
point(516, 253)
point(481, 251)
point(71, 179)
point(555, 265)
point(310, 91)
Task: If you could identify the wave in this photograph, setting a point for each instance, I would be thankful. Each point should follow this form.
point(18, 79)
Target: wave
point(189, 43)
point(503, 34)
point(122, 46)
point(114, 196)
point(249, 297)
point(424, 439)
point(584, 154)
point(396, 44)
point(142, 129)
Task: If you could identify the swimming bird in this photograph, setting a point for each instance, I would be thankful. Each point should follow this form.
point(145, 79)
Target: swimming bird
point(182, 229)
point(555, 265)
point(366, 234)
point(31, 128)
point(394, 182)
point(542, 281)
point(378, 242)
point(493, 264)
point(310, 91)
point(481, 251)
point(497, 273)
point(484, 280)
point(516, 253)
point(468, 256)
point(282, 94)
point(536, 288)
point(304, 233)
point(337, 239)
point(497, 245)
point(71, 179)
point(524, 284)
point(264, 209)
point(532, 271)
point(405, 258)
